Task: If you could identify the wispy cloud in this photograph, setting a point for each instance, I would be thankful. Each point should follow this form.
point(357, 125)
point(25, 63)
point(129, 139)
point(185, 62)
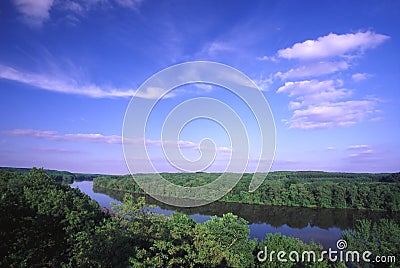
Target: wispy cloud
point(333, 45)
point(34, 12)
point(319, 104)
point(360, 151)
point(313, 92)
point(104, 139)
point(184, 145)
point(54, 150)
point(216, 47)
point(313, 70)
point(52, 83)
point(329, 115)
point(204, 87)
point(55, 136)
point(132, 4)
point(361, 76)
point(264, 83)
point(266, 58)
point(357, 147)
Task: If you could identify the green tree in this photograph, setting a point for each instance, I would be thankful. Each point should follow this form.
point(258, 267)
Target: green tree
point(382, 238)
point(224, 241)
point(274, 243)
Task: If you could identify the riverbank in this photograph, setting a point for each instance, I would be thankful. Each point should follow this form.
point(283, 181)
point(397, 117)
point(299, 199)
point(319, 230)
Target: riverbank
point(375, 192)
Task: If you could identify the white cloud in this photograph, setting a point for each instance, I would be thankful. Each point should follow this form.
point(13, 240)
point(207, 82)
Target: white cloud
point(333, 45)
point(66, 86)
point(360, 76)
point(263, 83)
point(317, 105)
point(312, 70)
point(357, 147)
point(54, 150)
point(204, 87)
point(266, 58)
point(304, 87)
point(72, 6)
point(154, 93)
point(133, 4)
point(182, 144)
point(310, 92)
point(329, 115)
point(100, 138)
point(323, 104)
point(35, 12)
point(376, 119)
point(54, 136)
point(293, 105)
point(216, 47)
point(363, 153)
point(330, 148)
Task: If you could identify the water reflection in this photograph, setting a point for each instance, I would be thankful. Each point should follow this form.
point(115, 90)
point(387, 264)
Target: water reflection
point(276, 216)
point(321, 225)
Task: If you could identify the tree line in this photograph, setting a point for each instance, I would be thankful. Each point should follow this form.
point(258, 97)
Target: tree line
point(57, 175)
point(305, 189)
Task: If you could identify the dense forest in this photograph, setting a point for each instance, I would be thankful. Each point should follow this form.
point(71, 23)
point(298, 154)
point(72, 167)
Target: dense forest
point(286, 188)
point(44, 223)
point(59, 176)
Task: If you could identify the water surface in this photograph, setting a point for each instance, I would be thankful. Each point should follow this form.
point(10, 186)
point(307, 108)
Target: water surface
point(321, 225)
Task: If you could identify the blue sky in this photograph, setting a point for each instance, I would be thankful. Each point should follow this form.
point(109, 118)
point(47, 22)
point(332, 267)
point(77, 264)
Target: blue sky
point(330, 72)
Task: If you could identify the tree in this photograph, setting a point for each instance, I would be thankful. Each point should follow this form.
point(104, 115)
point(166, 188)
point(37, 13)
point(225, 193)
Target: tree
point(108, 245)
point(278, 242)
point(382, 238)
point(222, 241)
point(39, 218)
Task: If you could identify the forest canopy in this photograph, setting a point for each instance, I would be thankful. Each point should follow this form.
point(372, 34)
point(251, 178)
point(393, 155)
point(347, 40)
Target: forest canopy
point(286, 188)
point(44, 223)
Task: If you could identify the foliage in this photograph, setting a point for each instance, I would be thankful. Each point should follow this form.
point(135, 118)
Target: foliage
point(39, 218)
point(301, 188)
point(224, 241)
point(382, 238)
point(278, 242)
point(58, 176)
point(47, 224)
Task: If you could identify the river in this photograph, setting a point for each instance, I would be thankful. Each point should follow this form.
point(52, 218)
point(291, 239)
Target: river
point(324, 226)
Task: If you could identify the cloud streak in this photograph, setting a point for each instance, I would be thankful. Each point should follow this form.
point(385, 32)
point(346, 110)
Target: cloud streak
point(357, 147)
point(216, 47)
point(36, 12)
point(360, 76)
point(361, 150)
point(313, 70)
point(55, 136)
point(102, 139)
point(71, 86)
